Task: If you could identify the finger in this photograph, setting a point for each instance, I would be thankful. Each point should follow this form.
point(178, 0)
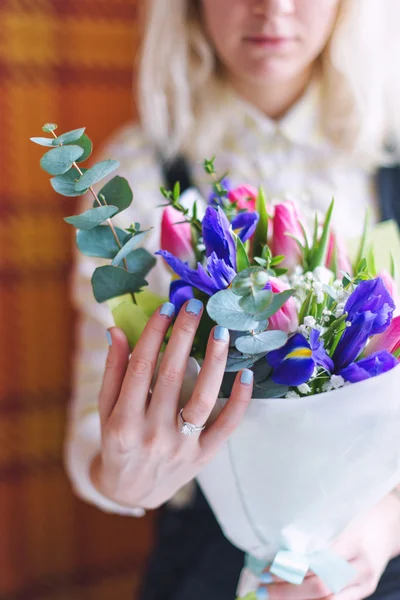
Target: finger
point(114, 373)
point(205, 393)
point(136, 385)
point(312, 588)
point(231, 415)
point(163, 407)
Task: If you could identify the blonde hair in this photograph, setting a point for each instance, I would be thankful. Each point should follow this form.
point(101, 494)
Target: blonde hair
point(184, 103)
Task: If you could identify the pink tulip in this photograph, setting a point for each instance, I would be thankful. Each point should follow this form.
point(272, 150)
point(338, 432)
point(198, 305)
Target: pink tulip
point(176, 236)
point(343, 261)
point(286, 220)
point(286, 319)
point(391, 287)
point(388, 340)
point(245, 196)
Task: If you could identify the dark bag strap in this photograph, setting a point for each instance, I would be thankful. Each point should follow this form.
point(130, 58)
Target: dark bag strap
point(388, 184)
point(177, 170)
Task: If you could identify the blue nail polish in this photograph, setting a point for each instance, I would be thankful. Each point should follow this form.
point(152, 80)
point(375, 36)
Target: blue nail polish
point(246, 377)
point(194, 307)
point(266, 578)
point(221, 333)
point(167, 310)
point(109, 338)
point(262, 594)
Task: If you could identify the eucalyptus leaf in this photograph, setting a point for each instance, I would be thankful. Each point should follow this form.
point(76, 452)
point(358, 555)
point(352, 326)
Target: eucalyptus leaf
point(261, 370)
point(140, 261)
point(269, 389)
point(96, 173)
point(236, 361)
point(92, 218)
point(256, 304)
point(249, 281)
point(128, 247)
point(85, 143)
point(48, 127)
point(278, 301)
point(59, 160)
point(69, 137)
point(65, 184)
point(42, 141)
point(99, 242)
point(224, 309)
point(118, 193)
point(261, 342)
point(110, 281)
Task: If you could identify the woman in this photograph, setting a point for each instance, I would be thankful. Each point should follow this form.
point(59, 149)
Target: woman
point(295, 95)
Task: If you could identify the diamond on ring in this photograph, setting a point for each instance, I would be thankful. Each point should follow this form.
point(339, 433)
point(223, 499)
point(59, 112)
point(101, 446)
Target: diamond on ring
point(188, 428)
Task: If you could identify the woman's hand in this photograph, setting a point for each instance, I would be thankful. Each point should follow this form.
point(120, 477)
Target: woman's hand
point(145, 458)
point(369, 543)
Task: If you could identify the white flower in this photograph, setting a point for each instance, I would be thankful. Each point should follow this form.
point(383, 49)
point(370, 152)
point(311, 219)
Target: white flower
point(309, 321)
point(339, 310)
point(327, 387)
point(303, 329)
point(320, 297)
point(292, 395)
point(323, 275)
point(337, 381)
point(304, 388)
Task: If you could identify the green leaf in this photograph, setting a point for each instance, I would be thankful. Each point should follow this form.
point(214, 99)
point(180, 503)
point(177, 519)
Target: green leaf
point(261, 233)
point(277, 260)
point(99, 242)
point(130, 318)
point(96, 173)
point(278, 272)
point(109, 282)
point(65, 184)
point(59, 160)
point(250, 281)
point(86, 144)
point(118, 193)
point(364, 239)
point(91, 218)
point(261, 342)
point(69, 137)
point(269, 389)
point(42, 141)
point(140, 261)
point(257, 303)
point(242, 260)
point(128, 247)
point(48, 127)
point(224, 309)
point(392, 267)
point(278, 301)
point(237, 361)
point(396, 353)
point(318, 255)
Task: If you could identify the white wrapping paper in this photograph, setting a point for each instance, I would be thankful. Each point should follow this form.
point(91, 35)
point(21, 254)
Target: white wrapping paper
point(297, 471)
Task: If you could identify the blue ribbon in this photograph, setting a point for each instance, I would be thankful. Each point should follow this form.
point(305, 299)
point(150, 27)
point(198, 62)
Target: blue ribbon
point(292, 567)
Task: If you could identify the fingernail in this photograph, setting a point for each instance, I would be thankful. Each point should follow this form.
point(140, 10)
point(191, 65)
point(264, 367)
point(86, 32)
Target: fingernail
point(262, 594)
point(109, 338)
point(246, 377)
point(194, 307)
point(167, 310)
point(266, 578)
point(221, 333)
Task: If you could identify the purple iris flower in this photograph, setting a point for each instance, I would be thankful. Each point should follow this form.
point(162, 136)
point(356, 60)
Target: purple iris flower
point(244, 224)
point(370, 310)
point(373, 365)
point(295, 362)
point(220, 268)
point(179, 292)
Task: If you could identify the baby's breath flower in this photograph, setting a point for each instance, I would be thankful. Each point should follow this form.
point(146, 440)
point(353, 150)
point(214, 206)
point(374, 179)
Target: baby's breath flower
point(304, 388)
point(292, 395)
point(309, 321)
point(337, 381)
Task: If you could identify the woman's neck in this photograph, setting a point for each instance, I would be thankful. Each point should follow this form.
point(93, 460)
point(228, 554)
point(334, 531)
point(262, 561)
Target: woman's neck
point(276, 99)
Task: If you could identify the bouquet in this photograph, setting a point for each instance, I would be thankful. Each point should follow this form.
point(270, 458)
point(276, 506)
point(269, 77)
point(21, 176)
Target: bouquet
point(319, 441)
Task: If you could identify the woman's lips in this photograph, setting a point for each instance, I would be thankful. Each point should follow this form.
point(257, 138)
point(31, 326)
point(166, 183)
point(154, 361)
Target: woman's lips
point(267, 41)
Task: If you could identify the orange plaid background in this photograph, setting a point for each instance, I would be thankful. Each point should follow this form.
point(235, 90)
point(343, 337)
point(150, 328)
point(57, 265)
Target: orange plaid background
point(69, 62)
